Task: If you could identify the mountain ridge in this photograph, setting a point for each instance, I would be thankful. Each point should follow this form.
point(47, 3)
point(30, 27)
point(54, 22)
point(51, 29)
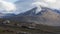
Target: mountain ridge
point(47, 17)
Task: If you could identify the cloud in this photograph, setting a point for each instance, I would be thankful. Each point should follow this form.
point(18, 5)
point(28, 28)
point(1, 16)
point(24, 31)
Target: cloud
point(6, 6)
point(50, 1)
point(53, 4)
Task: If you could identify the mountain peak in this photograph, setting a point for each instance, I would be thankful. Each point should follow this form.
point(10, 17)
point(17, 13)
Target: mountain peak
point(34, 11)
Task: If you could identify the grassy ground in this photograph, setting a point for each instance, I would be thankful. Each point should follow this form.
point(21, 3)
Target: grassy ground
point(39, 29)
point(15, 30)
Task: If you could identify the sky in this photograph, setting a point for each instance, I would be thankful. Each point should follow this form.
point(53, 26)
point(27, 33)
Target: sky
point(25, 5)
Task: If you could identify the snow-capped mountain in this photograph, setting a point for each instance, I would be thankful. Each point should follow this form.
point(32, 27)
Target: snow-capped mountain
point(46, 17)
point(32, 12)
